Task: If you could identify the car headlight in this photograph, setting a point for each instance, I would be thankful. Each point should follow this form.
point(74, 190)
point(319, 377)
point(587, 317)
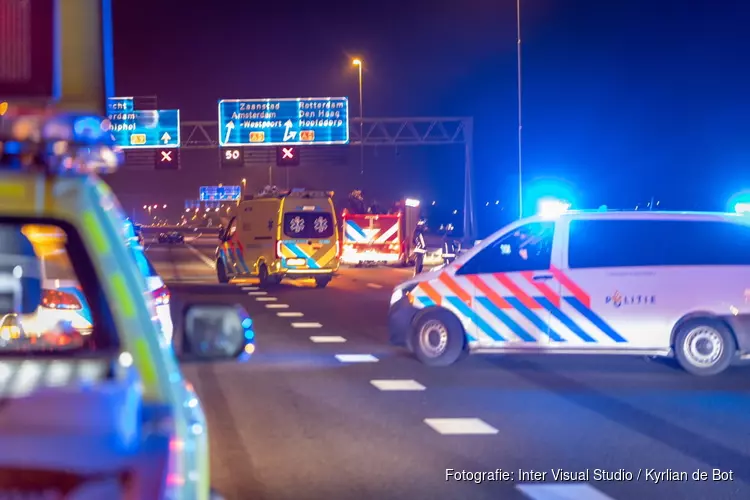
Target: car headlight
point(399, 292)
point(397, 295)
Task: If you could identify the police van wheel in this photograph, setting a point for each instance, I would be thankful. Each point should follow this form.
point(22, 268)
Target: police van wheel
point(438, 339)
point(221, 272)
point(704, 347)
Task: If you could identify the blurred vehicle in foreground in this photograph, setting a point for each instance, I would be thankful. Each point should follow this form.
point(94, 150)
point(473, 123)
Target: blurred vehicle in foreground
point(635, 283)
point(110, 390)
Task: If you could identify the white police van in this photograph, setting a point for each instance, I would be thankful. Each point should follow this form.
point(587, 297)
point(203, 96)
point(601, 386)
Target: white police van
point(639, 283)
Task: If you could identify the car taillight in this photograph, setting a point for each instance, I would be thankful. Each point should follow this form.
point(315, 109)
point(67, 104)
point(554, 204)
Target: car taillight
point(55, 299)
point(278, 250)
point(161, 296)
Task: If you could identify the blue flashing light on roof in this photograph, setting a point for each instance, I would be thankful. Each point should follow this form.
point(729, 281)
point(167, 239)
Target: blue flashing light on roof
point(550, 207)
point(58, 143)
point(742, 208)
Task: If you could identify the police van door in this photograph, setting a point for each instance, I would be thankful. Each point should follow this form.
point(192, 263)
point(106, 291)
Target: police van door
point(513, 287)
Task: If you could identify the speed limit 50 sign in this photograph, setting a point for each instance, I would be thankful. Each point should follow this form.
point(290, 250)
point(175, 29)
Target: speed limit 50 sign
point(232, 157)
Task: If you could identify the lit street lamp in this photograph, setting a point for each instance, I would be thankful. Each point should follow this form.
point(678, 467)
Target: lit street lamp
point(358, 64)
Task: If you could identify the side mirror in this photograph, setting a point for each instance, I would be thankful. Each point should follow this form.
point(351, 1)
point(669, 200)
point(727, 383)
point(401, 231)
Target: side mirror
point(215, 332)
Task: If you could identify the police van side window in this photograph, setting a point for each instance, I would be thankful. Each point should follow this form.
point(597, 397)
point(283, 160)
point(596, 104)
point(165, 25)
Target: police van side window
point(646, 243)
point(527, 248)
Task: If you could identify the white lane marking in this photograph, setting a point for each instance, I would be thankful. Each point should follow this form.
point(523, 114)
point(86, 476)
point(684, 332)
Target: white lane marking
point(374, 285)
point(356, 358)
point(266, 299)
point(398, 385)
point(249, 288)
point(307, 325)
point(201, 257)
point(460, 426)
point(277, 306)
point(333, 339)
point(575, 491)
point(293, 315)
point(257, 293)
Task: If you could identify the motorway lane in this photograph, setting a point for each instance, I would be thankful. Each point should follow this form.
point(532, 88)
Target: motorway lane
point(295, 422)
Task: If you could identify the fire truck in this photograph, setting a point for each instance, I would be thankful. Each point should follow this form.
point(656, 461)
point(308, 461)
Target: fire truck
point(375, 238)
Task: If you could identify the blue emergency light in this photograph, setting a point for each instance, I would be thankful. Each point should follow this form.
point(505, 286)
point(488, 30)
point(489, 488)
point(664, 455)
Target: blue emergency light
point(58, 143)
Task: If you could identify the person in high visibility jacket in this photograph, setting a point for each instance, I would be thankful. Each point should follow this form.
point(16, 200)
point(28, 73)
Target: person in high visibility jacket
point(420, 246)
point(451, 246)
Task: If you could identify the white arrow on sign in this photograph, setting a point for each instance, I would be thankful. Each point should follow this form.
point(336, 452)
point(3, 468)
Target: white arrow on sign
point(289, 135)
point(230, 127)
point(166, 137)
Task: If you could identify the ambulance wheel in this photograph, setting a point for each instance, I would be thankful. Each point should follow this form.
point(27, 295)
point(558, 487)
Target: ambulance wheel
point(438, 339)
point(263, 276)
point(322, 282)
point(221, 272)
point(704, 347)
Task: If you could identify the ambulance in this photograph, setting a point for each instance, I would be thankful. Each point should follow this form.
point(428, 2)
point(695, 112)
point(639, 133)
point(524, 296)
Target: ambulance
point(628, 283)
point(277, 235)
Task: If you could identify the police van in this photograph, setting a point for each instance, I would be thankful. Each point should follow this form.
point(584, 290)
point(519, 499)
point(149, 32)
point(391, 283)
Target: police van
point(281, 234)
point(638, 283)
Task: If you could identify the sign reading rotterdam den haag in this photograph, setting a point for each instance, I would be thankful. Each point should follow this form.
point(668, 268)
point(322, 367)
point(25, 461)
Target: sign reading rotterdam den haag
point(278, 122)
point(137, 128)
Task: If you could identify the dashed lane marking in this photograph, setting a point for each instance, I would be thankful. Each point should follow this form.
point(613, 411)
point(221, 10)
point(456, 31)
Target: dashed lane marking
point(574, 491)
point(201, 257)
point(356, 358)
point(398, 385)
point(292, 315)
point(307, 325)
point(266, 299)
point(374, 285)
point(332, 339)
point(249, 288)
point(257, 293)
point(460, 426)
point(277, 306)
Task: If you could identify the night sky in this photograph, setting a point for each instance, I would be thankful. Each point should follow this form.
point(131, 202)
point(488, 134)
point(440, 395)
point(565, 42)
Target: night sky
point(623, 100)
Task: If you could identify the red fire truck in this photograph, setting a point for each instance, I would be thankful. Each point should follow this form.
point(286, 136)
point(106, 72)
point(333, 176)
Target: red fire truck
point(372, 238)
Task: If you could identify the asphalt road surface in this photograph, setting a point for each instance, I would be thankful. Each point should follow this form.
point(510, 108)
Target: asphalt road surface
point(297, 422)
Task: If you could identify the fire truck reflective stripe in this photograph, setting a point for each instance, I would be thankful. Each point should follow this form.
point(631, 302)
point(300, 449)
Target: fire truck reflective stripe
point(577, 292)
point(483, 287)
point(514, 289)
point(298, 252)
point(594, 319)
point(565, 320)
point(507, 320)
point(469, 314)
point(430, 292)
point(455, 288)
point(538, 322)
point(548, 292)
point(383, 238)
point(354, 232)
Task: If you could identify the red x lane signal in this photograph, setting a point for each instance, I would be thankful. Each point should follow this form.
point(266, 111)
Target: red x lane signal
point(167, 159)
point(287, 156)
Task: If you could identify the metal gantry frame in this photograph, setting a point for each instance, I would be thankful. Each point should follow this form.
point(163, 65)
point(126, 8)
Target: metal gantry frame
point(415, 131)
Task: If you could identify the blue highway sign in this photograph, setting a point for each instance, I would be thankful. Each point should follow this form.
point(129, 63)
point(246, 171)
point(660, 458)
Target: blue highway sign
point(140, 129)
point(278, 122)
point(120, 104)
point(220, 193)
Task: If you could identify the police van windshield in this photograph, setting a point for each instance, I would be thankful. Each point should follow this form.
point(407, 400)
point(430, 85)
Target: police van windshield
point(47, 283)
point(308, 225)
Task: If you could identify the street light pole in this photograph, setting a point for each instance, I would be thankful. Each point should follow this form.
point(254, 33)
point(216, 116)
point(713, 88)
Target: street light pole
point(520, 122)
point(358, 63)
